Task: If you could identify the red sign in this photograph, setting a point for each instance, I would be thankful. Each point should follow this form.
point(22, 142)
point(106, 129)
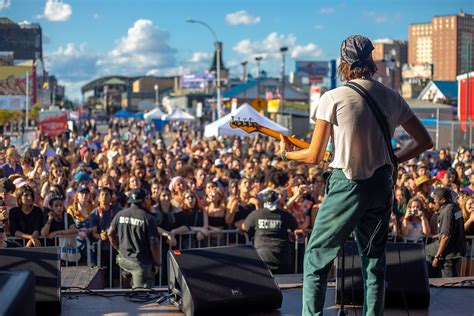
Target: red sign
point(54, 125)
point(316, 79)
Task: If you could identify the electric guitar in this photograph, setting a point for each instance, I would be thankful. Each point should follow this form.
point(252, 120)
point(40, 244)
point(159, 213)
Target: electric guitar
point(250, 126)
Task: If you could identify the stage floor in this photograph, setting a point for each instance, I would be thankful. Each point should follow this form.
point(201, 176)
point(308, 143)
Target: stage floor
point(452, 301)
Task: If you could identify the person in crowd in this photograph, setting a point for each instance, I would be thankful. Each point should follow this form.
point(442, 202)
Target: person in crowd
point(467, 208)
point(216, 207)
point(242, 205)
point(12, 165)
point(271, 227)
point(177, 187)
point(57, 222)
point(134, 234)
point(26, 220)
point(80, 211)
point(87, 158)
point(415, 223)
point(164, 213)
point(360, 154)
point(469, 189)
point(443, 162)
point(444, 254)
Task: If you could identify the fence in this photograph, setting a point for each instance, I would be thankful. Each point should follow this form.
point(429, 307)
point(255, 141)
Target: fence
point(217, 238)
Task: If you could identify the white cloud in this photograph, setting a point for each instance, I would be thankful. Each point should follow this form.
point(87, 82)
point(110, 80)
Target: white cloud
point(306, 51)
point(380, 19)
point(199, 57)
point(72, 62)
point(318, 27)
point(144, 47)
point(5, 4)
point(96, 16)
point(241, 17)
point(56, 11)
point(327, 10)
point(269, 47)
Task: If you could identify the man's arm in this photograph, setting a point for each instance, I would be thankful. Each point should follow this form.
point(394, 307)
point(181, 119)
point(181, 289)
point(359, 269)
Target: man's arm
point(443, 244)
point(421, 140)
point(112, 234)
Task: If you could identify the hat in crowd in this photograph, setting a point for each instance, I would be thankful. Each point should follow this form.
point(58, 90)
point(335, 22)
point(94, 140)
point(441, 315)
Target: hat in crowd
point(420, 165)
point(443, 193)
point(356, 50)
point(82, 176)
point(423, 179)
point(54, 197)
point(83, 188)
point(83, 150)
point(136, 196)
point(6, 185)
point(270, 200)
point(440, 174)
point(219, 163)
point(19, 182)
point(412, 162)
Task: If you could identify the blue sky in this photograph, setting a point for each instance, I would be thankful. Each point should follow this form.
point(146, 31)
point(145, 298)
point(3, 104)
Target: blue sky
point(85, 39)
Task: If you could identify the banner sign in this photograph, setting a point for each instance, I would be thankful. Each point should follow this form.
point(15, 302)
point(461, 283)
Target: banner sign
point(312, 69)
point(13, 94)
point(53, 122)
point(314, 96)
point(197, 80)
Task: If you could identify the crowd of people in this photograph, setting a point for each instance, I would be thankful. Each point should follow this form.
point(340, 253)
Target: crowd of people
point(75, 184)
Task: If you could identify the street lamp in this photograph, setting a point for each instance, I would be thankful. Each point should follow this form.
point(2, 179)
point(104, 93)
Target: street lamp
point(218, 61)
point(244, 66)
point(258, 59)
point(157, 94)
point(283, 51)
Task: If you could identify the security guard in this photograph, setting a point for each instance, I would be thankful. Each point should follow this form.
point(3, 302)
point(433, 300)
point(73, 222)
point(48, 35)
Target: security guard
point(134, 233)
point(271, 226)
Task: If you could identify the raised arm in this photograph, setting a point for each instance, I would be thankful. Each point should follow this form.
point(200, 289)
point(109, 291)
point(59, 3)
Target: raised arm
point(421, 140)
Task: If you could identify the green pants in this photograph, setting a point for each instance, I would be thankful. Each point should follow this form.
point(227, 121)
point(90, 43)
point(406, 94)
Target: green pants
point(141, 274)
point(362, 206)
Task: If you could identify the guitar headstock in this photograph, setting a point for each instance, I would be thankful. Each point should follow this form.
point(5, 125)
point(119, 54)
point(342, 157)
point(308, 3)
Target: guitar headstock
point(247, 125)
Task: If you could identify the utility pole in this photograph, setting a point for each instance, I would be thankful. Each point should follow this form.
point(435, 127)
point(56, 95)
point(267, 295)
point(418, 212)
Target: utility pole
point(283, 51)
point(27, 103)
point(258, 59)
point(244, 66)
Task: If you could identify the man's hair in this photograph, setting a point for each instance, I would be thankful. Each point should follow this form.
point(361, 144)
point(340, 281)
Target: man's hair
point(367, 70)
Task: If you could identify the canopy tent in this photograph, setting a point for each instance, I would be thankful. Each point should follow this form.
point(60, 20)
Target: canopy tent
point(179, 115)
point(156, 116)
point(245, 111)
point(125, 114)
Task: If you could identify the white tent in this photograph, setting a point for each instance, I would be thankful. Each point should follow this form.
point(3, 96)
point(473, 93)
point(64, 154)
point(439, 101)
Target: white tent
point(245, 111)
point(155, 114)
point(179, 115)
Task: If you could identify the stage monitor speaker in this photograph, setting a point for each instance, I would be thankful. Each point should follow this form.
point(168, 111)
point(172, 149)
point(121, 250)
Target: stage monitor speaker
point(44, 262)
point(17, 293)
point(221, 281)
point(406, 280)
point(82, 277)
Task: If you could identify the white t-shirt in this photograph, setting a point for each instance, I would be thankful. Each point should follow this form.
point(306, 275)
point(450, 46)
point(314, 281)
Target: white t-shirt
point(359, 145)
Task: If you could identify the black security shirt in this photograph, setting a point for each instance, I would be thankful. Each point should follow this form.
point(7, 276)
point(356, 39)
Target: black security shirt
point(271, 234)
point(135, 228)
point(451, 223)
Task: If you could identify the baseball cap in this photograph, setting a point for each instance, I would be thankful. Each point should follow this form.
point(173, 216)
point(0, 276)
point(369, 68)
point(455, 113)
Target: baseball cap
point(136, 196)
point(83, 150)
point(270, 200)
point(82, 176)
point(356, 50)
point(219, 163)
point(83, 188)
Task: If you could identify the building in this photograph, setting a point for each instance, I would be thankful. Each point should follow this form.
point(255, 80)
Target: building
point(465, 98)
point(24, 40)
point(415, 78)
point(442, 42)
point(389, 74)
point(390, 50)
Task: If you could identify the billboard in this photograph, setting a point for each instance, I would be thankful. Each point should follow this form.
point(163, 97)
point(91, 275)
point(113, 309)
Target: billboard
point(312, 69)
point(197, 80)
point(419, 71)
point(13, 85)
point(314, 96)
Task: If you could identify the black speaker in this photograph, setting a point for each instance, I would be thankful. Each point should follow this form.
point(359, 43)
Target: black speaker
point(221, 281)
point(44, 262)
point(17, 293)
point(406, 276)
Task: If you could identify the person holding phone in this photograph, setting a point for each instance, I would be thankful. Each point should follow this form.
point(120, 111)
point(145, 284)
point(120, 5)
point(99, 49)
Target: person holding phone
point(415, 223)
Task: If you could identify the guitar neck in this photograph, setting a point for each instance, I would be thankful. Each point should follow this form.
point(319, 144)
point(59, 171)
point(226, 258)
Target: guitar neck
point(293, 140)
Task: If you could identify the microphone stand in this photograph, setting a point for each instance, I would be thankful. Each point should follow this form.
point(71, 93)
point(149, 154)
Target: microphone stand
point(342, 311)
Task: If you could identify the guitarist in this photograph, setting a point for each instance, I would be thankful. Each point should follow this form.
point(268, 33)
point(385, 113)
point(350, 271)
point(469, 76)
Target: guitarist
point(359, 190)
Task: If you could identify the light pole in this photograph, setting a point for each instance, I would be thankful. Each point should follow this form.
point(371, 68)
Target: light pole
point(218, 61)
point(258, 59)
point(157, 95)
point(27, 103)
point(283, 51)
point(244, 66)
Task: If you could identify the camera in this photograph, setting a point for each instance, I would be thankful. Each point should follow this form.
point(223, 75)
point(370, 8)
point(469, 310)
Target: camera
point(2, 202)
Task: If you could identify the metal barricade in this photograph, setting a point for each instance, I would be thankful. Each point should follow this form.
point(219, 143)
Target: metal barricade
point(186, 240)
